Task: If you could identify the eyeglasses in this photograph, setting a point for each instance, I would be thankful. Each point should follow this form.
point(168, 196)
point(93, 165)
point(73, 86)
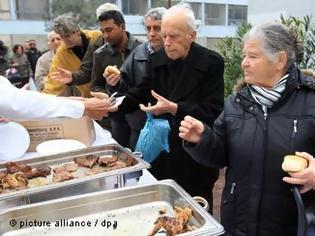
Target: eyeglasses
point(155, 28)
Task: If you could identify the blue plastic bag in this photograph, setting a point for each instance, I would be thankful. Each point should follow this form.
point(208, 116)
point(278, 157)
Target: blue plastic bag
point(153, 138)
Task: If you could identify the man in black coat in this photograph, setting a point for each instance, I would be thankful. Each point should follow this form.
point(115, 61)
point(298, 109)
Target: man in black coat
point(187, 79)
point(33, 54)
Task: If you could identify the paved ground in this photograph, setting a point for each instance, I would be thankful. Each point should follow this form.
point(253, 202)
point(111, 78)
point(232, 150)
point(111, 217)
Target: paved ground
point(217, 191)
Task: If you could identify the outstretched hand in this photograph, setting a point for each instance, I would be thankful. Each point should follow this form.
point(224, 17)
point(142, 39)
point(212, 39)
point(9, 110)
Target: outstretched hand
point(61, 75)
point(161, 107)
point(306, 177)
point(191, 129)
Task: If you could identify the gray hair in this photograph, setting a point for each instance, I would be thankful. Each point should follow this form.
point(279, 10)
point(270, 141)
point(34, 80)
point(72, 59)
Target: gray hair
point(106, 7)
point(186, 10)
point(276, 37)
point(155, 13)
point(66, 23)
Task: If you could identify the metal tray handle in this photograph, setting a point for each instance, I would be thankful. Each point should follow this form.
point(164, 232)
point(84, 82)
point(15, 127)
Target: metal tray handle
point(203, 202)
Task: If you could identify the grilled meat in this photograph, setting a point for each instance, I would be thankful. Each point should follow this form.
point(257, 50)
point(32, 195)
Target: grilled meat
point(88, 161)
point(62, 176)
point(16, 180)
point(107, 161)
point(13, 167)
point(68, 167)
point(173, 225)
point(38, 172)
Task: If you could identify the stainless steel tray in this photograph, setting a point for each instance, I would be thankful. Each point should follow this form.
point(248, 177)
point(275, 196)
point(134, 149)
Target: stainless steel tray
point(125, 211)
point(76, 185)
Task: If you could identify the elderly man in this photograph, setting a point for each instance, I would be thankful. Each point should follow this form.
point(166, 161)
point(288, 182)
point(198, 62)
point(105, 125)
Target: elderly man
point(44, 62)
point(69, 55)
point(135, 68)
point(189, 79)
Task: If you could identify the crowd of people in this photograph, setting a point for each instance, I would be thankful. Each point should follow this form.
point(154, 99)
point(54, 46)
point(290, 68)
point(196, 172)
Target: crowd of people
point(270, 115)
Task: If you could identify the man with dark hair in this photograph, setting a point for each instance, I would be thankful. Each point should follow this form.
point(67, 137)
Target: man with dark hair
point(33, 54)
point(135, 68)
point(119, 44)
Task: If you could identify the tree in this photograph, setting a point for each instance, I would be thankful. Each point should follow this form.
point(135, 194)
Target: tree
point(231, 50)
point(84, 9)
point(305, 29)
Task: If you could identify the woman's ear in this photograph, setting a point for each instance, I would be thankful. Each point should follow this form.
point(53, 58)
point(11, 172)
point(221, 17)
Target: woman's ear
point(282, 60)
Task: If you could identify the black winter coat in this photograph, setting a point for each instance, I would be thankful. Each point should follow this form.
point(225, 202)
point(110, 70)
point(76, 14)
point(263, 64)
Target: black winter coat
point(255, 200)
point(198, 90)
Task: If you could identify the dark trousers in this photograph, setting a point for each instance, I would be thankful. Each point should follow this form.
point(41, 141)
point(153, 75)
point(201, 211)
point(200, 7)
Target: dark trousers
point(120, 130)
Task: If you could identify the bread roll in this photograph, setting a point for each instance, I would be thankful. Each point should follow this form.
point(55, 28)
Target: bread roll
point(111, 69)
point(293, 163)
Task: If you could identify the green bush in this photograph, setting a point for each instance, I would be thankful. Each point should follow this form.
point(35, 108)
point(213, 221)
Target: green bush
point(231, 50)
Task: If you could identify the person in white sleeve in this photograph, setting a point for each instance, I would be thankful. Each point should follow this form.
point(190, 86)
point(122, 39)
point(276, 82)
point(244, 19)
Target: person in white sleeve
point(23, 104)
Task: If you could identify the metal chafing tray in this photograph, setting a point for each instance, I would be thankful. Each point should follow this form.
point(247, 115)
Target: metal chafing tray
point(81, 184)
point(125, 211)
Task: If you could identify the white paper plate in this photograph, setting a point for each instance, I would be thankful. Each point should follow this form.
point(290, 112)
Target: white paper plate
point(14, 140)
point(58, 145)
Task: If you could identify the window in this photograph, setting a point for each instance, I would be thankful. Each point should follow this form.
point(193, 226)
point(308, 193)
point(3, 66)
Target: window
point(4, 10)
point(135, 7)
point(197, 10)
point(237, 14)
point(31, 9)
point(214, 14)
point(163, 3)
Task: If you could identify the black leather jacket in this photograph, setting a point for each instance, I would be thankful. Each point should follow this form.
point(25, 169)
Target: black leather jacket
point(255, 200)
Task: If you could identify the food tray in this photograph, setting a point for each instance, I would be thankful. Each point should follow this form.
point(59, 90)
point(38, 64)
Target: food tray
point(82, 181)
point(125, 211)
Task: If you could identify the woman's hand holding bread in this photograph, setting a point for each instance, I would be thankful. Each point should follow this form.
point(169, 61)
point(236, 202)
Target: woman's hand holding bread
point(301, 168)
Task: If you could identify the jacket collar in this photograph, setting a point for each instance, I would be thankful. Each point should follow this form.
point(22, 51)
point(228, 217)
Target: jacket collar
point(296, 80)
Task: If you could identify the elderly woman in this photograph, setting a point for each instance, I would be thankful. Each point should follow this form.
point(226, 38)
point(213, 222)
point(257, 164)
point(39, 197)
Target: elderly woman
point(271, 116)
point(21, 64)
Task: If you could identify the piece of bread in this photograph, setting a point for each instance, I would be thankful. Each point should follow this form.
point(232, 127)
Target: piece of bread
point(111, 69)
point(293, 163)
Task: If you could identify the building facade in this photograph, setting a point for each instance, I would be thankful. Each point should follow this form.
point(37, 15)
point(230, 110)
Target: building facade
point(267, 10)
point(24, 19)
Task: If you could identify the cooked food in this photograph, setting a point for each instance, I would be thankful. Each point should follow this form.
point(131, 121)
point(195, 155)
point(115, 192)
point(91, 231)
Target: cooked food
point(38, 172)
point(107, 161)
point(293, 163)
point(62, 175)
point(69, 167)
point(174, 225)
point(13, 167)
point(88, 161)
point(111, 70)
point(16, 180)
point(18, 176)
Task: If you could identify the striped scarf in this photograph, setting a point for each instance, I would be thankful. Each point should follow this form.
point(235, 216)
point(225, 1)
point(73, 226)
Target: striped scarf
point(267, 97)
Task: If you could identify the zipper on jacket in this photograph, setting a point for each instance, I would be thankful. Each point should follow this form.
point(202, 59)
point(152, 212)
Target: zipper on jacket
point(232, 188)
point(294, 132)
point(265, 112)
